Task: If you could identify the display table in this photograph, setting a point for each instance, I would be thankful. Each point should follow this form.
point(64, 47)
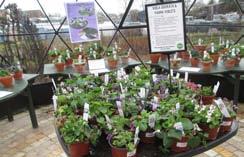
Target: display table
point(103, 149)
point(19, 87)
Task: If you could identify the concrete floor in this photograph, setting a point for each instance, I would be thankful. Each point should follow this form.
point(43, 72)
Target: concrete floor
point(18, 139)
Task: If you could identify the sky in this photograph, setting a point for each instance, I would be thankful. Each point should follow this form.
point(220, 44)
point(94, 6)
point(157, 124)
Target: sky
point(57, 6)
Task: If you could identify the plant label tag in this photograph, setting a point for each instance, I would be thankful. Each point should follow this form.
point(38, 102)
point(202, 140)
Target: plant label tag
point(55, 102)
point(136, 135)
point(179, 126)
point(130, 154)
point(154, 77)
point(186, 76)
point(177, 76)
point(122, 96)
point(102, 89)
point(216, 88)
point(171, 73)
point(142, 92)
point(175, 56)
point(181, 144)
point(150, 134)
point(151, 120)
point(167, 91)
point(106, 79)
point(177, 106)
point(108, 122)
point(68, 55)
point(155, 99)
point(119, 106)
point(226, 123)
point(199, 41)
point(54, 84)
point(222, 107)
point(121, 87)
point(86, 112)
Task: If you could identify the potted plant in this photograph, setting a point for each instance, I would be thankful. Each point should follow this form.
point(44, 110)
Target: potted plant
point(146, 132)
point(227, 121)
point(229, 60)
point(78, 135)
point(94, 51)
point(54, 53)
point(214, 55)
point(79, 64)
point(6, 78)
point(68, 59)
point(185, 55)
point(59, 64)
point(206, 62)
point(17, 70)
point(122, 144)
point(154, 58)
point(125, 56)
point(112, 58)
point(207, 95)
point(200, 47)
point(194, 58)
point(209, 119)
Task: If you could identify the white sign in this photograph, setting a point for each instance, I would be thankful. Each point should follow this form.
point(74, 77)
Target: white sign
point(166, 27)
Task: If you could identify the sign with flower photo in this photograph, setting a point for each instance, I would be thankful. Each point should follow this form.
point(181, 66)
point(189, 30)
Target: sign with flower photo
point(82, 20)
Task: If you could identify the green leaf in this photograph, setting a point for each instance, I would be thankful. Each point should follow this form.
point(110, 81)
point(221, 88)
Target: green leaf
point(187, 124)
point(194, 142)
point(167, 141)
point(176, 134)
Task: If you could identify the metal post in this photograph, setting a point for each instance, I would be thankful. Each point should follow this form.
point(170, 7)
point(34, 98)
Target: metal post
point(170, 77)
point(31, 108)
point(236, 91)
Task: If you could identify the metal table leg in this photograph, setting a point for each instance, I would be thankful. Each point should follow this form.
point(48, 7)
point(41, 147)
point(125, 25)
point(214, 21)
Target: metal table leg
point(31, 109)
point(236, 89)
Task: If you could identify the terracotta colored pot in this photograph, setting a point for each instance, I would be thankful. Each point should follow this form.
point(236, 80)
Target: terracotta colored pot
point(79, 67)
point(79, 149)
point(226, 125)
point(180, 145)
point(121, 152)
point(69, 62)
point(154, 58)
point(124, 59)
point(163, 56)
point(59, 67)
point(175, 63)
point(147, 137)
point(185, 55)
point(7, 81)
point(238, 59)
point(223, 51)
point(18, 75)
point(112, 63)
point(215, 58)
point(212, 133)
point(194, 62)
point(206, 66)
point(230, 63)
point(207, 100)
point(200, 48)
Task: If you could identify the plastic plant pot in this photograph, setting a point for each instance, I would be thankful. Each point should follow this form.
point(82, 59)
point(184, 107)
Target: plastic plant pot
point(180, 145)
point(154, 58)
point(79, 149)
point(59, 67)
point(212, 133)
point(7, 81)
point(194, 62)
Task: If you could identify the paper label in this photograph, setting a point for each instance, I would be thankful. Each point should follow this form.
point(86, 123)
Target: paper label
point(130, 154)
point(177, 76)
point(106, 79)
point(54, 84)
point(186, 76)
point(86, 112)
point(151, 120)
point(136, 135)
point(142, 93)
point(121, 87)
point(177, 106)
point(119, 106)
point(171, 73)
point(154, 77)
point(181, 144)
point(150, 134)
point(216, 88)
point(96, 64)
point(108, 122)
point(222, 107)
point(179, 126)
point(55, 102)
point(226, 123)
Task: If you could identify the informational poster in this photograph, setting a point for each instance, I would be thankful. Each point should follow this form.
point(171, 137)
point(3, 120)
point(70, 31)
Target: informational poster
point(166, 27)
point(82, 20)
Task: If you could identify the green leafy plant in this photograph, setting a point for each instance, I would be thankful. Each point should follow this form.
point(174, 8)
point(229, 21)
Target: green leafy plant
point(124, 139)
point(195, 54)
point(75, 130)
point(94, 51)
point(4, 73)
point(206, 91)
point(54, 52)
